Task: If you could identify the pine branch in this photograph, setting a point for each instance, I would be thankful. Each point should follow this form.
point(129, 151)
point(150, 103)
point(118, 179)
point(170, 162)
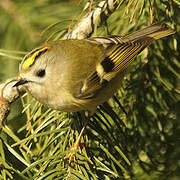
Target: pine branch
point(86, 26)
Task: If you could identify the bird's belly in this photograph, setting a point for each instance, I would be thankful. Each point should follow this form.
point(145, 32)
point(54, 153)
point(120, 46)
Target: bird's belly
point(64, 103)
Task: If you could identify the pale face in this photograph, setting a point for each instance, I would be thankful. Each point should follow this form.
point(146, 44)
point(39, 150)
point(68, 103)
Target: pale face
point(34, 72)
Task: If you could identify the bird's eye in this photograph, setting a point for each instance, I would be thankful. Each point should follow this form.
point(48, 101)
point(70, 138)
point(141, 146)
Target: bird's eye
point(41, 73)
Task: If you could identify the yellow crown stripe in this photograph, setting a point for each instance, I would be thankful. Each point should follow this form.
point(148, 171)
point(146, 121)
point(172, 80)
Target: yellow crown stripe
point(29, 61)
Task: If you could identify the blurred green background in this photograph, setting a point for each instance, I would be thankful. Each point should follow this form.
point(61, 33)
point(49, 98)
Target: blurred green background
point(143, 143)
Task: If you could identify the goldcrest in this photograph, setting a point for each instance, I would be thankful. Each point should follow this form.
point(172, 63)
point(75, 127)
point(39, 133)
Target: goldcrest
point(74, 75)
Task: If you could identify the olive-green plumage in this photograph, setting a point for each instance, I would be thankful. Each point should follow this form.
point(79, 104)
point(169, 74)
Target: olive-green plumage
point(74, 75)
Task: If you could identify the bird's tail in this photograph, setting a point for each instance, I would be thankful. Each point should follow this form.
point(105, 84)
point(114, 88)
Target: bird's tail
point(156, 31)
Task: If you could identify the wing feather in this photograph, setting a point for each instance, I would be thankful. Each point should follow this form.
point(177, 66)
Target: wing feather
point(117, 58)
point(120, 51)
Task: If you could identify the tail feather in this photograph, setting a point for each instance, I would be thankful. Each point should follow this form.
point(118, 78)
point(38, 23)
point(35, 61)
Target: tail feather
point(156, 31)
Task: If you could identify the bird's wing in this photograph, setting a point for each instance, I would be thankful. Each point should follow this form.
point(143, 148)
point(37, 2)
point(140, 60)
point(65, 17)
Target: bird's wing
point(119, 53)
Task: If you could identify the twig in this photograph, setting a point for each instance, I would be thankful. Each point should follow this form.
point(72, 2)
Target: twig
point(86, 26)
point(8, 95)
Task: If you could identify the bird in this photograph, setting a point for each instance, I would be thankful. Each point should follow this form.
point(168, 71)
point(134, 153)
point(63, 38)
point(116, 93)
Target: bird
point(80, 74)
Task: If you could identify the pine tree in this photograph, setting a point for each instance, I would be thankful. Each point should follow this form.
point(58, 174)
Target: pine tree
point(135, 135)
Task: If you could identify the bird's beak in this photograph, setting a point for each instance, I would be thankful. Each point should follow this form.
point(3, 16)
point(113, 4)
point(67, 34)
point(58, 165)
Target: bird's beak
point(20, 82)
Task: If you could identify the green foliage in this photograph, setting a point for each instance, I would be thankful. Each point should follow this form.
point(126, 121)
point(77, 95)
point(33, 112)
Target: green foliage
point(133, 136)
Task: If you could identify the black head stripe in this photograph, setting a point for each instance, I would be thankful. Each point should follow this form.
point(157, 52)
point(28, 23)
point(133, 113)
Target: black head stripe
point(30, 59)
point(39, 54)
point(31, 53)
